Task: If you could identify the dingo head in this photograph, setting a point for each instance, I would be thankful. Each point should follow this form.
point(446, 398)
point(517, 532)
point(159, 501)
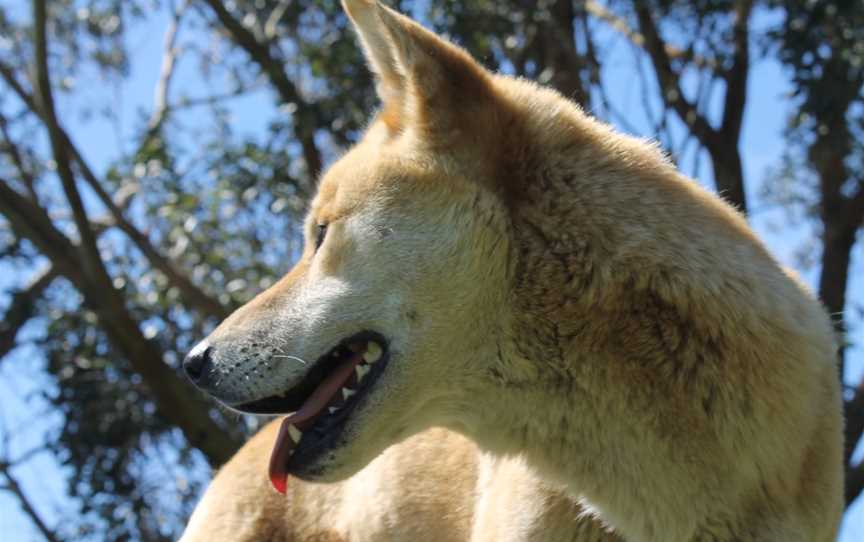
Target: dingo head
point(393, 310)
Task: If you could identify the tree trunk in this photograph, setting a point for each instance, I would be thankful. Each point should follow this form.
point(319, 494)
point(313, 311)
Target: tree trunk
point(728, 172)
point(833, 280)
point(560, 54)
point(175, 400)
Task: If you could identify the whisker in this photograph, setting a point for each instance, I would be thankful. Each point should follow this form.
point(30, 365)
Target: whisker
point(290, 357)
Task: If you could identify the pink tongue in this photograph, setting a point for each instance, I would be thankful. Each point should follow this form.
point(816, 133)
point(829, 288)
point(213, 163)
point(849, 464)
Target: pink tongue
point(312, 407)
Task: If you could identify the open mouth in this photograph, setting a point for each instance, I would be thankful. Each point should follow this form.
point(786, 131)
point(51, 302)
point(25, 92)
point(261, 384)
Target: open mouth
point(321, 403)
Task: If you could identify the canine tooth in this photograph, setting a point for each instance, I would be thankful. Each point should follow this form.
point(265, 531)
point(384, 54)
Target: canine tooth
point(346, 393)
point(373, 352)
point(361, 371)
point(295, 434)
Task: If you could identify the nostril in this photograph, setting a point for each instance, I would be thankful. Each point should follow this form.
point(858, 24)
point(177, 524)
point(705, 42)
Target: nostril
point(198, 361)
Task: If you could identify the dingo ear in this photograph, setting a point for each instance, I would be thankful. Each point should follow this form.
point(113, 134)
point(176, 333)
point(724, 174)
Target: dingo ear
point(425, 82)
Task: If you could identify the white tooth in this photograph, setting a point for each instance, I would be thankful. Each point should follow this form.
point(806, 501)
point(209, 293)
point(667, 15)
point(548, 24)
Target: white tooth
point(372, 353)
point(361, 371)
point(333, 409)
point(346, 393)
point(295, 433)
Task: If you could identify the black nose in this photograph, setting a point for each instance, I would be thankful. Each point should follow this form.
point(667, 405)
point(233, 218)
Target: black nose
point(197, 363)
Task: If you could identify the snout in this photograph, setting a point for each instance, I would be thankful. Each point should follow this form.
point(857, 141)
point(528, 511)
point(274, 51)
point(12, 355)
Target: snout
point(198, 364)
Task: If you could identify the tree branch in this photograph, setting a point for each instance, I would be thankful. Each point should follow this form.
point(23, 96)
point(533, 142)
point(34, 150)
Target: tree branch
point(33, 223)
point(854, 416)
point(166, 74)
point(854, 482)
point(305, 117)
point(197, 101)
point(21, 309)
point(14, 487)
point(854, 214)
point(736, 76)
point(192, 294)
point(670, 88)
point(620, 25)
point(175, 400)
point(9, 77)
point(559, 49)
point(92, 261)
point(273, 20)
point(721, 144)
point(14, 153)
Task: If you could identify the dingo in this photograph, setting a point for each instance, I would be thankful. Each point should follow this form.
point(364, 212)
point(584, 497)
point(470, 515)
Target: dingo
point(491, 260)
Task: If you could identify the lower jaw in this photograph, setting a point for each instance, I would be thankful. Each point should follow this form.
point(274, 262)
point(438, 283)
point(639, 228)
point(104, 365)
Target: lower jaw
point(334, 460)
point(308, 461)
point(312, 458)
point(314, 467)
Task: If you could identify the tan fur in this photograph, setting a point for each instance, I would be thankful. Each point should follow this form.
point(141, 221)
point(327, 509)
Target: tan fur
point(422, 489)
point(604, 329)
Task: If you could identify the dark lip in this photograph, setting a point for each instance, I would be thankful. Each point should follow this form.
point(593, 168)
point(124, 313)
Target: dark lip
point(328, 432)
point(293, 399)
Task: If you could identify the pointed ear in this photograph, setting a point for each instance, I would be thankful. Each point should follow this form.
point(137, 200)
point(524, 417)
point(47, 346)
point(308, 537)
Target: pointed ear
point(377, 48)
point(425, 82)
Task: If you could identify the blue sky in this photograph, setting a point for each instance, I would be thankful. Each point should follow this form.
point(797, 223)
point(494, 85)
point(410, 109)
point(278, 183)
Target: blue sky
point(22, 413)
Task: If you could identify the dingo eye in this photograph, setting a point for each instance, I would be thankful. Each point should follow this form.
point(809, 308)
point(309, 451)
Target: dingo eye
point(319, 236)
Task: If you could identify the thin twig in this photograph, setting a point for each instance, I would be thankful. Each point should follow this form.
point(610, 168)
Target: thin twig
point(636, 38)
point(273, 19)
point(12, 486)
point(305, 115)
point(194, 295)
point(92, 261)
point(166, 74)
point(21, 308)
point(27, 177)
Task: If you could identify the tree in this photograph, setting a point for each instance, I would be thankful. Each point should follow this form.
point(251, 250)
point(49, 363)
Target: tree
point(821, 43)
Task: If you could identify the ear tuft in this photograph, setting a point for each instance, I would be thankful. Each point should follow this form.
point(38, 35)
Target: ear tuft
point(425, 82)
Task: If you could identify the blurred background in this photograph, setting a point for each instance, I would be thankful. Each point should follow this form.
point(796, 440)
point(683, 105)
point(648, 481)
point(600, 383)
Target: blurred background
point(156, 157)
